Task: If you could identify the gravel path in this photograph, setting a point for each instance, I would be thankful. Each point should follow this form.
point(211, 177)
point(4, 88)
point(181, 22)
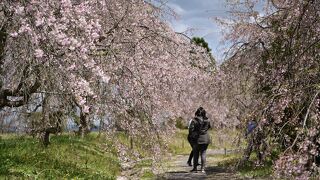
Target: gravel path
point(178, 169)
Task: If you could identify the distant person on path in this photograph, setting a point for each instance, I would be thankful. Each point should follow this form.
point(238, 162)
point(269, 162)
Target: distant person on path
point(200, 139)
point(252, 124)
point(256, 141)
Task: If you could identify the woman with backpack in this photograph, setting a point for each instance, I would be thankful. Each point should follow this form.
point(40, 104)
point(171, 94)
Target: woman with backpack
point(199, 137)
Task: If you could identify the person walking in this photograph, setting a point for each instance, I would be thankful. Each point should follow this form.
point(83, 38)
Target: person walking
point(256, 142)
point(192, 139)
point(191, 142)
point(199, 133)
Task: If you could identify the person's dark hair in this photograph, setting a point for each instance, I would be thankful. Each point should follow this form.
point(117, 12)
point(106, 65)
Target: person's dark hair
point(201, 112)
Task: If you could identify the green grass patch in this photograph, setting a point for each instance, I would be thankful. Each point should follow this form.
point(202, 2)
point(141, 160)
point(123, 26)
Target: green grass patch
point(66, 157)
point(144, 163)
point(148, 174)
point(179, 144)
point(252, 171)
point(222, 159)
point(248, 169)
point(136, 145)
point(226, 139)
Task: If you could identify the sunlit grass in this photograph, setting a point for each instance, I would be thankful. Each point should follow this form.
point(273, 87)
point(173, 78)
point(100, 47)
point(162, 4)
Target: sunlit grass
point(136, 145)
point(67, 156)
point(148, 174)
point(249, 169)
point(178, 143)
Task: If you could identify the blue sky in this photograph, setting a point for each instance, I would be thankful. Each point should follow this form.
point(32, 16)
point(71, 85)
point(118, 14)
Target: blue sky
point(199, 14)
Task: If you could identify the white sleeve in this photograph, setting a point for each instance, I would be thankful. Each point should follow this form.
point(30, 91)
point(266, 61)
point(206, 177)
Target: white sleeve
point(189, 123)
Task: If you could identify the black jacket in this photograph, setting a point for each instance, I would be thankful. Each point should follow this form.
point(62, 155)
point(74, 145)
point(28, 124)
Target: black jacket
point(198, 131)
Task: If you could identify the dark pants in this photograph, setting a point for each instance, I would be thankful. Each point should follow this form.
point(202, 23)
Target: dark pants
point(190, 157)
point(255, 144)
point(191, 153)
point(199, 148)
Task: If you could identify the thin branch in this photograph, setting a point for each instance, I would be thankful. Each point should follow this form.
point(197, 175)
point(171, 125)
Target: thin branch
point(307, 114)
point(304, 121)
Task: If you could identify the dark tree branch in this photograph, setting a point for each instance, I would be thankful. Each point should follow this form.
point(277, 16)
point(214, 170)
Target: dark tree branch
point(25, 94)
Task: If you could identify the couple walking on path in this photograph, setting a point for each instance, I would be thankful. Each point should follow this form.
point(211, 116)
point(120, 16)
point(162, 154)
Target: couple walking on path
point(199, 139)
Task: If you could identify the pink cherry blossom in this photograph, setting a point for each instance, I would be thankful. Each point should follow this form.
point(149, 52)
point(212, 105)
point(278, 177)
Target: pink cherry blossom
point(38, 53)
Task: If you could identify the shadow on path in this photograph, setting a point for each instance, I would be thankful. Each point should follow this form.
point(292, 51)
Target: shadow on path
point(212, 172)
point(177, 168)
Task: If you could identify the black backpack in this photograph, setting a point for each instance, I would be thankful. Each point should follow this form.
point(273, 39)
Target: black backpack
point(195, 133)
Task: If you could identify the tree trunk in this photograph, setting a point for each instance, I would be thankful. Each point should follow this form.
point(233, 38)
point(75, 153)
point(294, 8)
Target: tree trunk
point(131, 142)
point(83, 127)
point(101, 124)
point(45, 138)
point(44, 133)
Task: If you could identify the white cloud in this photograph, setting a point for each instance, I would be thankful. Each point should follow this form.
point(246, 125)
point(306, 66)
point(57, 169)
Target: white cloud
point(179, 26)
point(178, 9)
point(197, 15)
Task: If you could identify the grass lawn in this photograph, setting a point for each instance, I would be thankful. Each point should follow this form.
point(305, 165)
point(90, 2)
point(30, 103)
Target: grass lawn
point(67, 157)
point(93, 157)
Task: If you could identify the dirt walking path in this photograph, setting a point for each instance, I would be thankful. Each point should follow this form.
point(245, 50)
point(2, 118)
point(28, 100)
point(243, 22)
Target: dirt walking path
point(178, 169)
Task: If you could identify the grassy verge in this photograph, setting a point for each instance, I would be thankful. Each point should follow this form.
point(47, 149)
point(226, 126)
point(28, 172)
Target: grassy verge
point(135, 144)
point(66, 157)
point(137, 151)
point(179, 144)
point(249, 169)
